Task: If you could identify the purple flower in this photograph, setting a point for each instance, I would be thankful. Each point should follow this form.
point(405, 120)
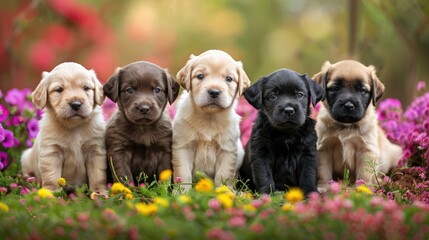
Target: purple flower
point(16, 97)
point(2, 133)
point(3, 160)
point(9, 140)
point(421, 85)
point(33, 128)
point(4, 113)
point(29, 142)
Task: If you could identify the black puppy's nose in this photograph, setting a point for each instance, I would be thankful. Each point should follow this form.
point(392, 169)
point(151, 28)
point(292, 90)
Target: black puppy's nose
point(75, 105)
point(214, 92)
point(144, 109)
point(349, 106)
point(289, 110)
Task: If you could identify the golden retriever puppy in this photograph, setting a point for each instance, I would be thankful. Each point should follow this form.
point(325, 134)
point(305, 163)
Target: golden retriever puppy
point(206, 133)
point(70, 143)
point(348, 132)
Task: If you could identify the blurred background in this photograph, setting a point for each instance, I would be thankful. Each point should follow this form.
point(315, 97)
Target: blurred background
point(265, 35)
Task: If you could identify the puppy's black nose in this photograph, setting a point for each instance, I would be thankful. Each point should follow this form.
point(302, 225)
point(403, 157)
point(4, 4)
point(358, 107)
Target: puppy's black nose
point(289, 110)
point(75, 105)
point(349, 106)
point(214, 92)
point(144, 109)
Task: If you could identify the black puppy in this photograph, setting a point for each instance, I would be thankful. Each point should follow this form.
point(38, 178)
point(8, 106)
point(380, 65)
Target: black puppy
point(281, 152)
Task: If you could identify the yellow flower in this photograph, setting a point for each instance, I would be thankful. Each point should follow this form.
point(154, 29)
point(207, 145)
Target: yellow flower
point(204, 185)
point(129, 196)
point(119, 188)
point(364, 189)
point(165, 175)
point(184, 199)
point(249, 208)
point(161, 202)
point(61, 182)
point(294, 195)
point(45, 193)
point(4, 207)
point(225, 190)
point(287, 207)
point(146, 209)
point(225, 199)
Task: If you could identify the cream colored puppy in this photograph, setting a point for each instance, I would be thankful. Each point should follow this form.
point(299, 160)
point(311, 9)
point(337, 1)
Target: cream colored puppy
point(70, 143)
point(206, 133)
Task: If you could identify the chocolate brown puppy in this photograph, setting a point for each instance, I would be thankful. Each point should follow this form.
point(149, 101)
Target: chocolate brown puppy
point(139, 135)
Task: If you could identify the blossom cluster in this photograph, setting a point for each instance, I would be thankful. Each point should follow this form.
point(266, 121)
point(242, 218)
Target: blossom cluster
point(18, 124)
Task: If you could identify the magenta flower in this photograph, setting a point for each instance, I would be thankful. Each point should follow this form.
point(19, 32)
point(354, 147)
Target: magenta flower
point(29, 142)
point(421, 85)
point(4, 113)
point(237, 221)
point(13, 185)
point(2, 133)
point(33, 128)
point(15, 97)
point(3, 190)
point(9, 139)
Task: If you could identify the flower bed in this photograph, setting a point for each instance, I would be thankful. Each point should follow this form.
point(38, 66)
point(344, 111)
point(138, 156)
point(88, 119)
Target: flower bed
point(396, 209)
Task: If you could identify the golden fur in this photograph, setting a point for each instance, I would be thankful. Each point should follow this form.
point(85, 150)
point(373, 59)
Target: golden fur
point(206, 133)
point(357, 145)
point(70, 143)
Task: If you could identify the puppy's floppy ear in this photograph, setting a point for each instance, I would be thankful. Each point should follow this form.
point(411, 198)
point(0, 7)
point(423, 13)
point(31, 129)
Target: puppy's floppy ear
point(317, 93)
point(98, 89)
point(243, 79)
point(377, 86)
point(322, 77)
point(254, 94)
point(172, 87)
point(184, 75)
point(111, 88)
point(40, 94)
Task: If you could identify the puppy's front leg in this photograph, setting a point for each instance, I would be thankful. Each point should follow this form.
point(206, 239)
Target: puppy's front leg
point(261, 169)
point(307, 178)
point(367, 166)
point(324, 169)
point(120, 161)
point(226, 168)
point(183, 164)
point(50, 167)
point(96, 168)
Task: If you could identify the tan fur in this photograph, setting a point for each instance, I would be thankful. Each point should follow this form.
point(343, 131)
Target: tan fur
point(207, 137)
point(357, 144)
point(68, 146)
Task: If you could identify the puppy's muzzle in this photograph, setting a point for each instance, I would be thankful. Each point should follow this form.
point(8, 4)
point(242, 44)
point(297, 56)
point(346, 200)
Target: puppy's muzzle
point(214, 93)
point(75, 105)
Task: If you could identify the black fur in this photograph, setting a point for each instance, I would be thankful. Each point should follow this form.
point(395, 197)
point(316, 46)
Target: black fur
point(348, 101)
point(281, 152)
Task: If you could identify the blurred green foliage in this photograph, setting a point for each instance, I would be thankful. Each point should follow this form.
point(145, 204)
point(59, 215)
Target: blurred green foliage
point(265, 35)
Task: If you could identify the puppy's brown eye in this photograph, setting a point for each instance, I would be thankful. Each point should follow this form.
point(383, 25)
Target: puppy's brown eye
point(85, 88)
point(273, 96)
point(229, 79)
point(129, 90)
point(299, 95)
point(363, 91)
point(157, 90)
point(200, 76)
point(59, 90)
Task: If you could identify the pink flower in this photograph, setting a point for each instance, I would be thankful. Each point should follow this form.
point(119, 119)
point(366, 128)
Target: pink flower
point(359, 182)
point(421, 85)
point(335, 187)
point(237, 221)
point(32, 128)
point(13, 185)
point(4, 161)
point(257, 228)
point(31, 179)
point(214, 204)
point(4, 113)
point(218, 233)
point(3, 190)
point(25, 191)
point(2, 133)
point(9, 139)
